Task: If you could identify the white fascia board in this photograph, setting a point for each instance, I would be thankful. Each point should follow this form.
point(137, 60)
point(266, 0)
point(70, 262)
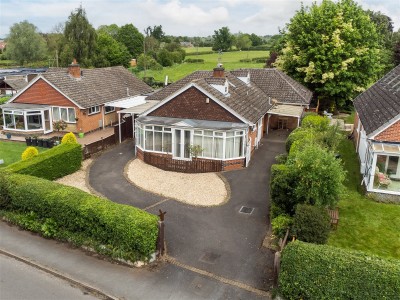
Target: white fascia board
point(383, 127)
point(52, 85)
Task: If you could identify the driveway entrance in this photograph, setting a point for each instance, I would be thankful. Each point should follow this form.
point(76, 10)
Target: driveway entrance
point(224, 240)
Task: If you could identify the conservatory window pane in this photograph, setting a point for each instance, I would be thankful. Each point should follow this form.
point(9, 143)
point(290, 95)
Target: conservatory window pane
point(229, 147)
point(157, 141)
point(56, 113)
point(149, 140)
point(34, 122)
point(238, 146)
point(64, 114)
point(218, 147)
point(167, 142)
point(207, 146)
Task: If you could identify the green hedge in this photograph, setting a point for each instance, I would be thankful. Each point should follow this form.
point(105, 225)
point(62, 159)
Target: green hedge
point(194, 60)
point(54, 163)
point(121, 226)
point(323, 272)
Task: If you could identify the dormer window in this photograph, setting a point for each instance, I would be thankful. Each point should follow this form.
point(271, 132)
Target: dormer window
point(223, 87)
point(245, 79)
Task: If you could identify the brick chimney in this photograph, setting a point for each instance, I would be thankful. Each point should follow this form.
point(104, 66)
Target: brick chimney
point(219, 71)
point(74, 69)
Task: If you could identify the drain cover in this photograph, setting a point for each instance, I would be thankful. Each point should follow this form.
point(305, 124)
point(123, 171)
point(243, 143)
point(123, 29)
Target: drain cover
point(246, 210)
point(209, 257)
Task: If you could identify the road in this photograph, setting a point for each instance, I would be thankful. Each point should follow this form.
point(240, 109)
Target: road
point(21, 281)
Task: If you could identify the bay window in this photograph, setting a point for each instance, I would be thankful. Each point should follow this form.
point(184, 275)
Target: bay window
point(66, 114)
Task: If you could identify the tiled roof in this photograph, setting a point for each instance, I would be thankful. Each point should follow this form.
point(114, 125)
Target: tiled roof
point(97, 86)
point(280, 86)
point(379, 104)
point(249, 101)
point(16, 84)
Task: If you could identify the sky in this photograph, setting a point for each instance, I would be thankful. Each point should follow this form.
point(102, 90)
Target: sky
point(184, 18)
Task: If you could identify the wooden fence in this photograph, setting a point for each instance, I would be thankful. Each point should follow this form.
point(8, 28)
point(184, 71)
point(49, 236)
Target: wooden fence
point(195, 165)
point(99, 146)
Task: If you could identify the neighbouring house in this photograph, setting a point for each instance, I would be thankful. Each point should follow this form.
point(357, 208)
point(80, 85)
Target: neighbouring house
point(86, 99)
point(12, 86)
point(213, 120)
point(377, 134)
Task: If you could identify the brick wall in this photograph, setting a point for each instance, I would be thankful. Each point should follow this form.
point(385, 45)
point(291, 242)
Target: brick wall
point(191, 104)
point(235, 164)
point(43, 93)
point(391, 134)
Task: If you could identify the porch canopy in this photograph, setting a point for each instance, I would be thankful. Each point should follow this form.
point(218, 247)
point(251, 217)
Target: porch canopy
point(286, 110)
point(127, 102)
point(386, 148)
point(202, 124)
point(25, 117)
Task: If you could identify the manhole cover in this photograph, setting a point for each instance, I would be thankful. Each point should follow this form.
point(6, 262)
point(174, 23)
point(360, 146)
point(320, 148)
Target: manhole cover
point(246, 210)
point(209, 257)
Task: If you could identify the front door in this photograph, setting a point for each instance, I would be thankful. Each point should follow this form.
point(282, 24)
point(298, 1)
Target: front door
point(181, 144)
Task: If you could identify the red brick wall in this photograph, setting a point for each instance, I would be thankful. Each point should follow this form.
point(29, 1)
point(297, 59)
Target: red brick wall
point(235, 164)
point(43, 93)
point(191, 104)
point(391, 134)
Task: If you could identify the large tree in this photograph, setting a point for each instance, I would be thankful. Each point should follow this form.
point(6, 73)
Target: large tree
point(80, 37)
point(130, 36)
point(243, 41)
point(333, 48)
point(25, 44)
point(110, 52)
point(223, 39)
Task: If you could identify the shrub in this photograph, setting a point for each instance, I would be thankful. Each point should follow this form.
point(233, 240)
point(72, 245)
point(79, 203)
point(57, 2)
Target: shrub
point(124, 227)
point(29, 152)
point(194, 60)
point(69, 138)
point(316, 122)
point(59, 125)
point(323, 272)
point(282, 190)
point(318, 176)
point(280, 225)
point(311, 224)
point(51, 164)
point(299, 134)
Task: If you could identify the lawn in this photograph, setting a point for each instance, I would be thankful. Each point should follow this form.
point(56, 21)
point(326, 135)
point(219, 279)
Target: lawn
point(364, 224)
point(197, 49)
point(230, 60)
point(11, 152)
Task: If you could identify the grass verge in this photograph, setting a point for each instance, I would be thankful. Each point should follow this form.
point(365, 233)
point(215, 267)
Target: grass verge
point(11, 152)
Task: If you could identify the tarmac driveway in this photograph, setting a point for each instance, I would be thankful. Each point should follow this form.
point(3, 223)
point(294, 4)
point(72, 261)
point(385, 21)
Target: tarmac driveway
point(220, 240)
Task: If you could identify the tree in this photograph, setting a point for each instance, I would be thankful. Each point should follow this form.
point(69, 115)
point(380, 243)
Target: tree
point(25, 44)
point(109, 52)
point(333, 49)
point(243, 41)
point(130, 36)
point(112, 30)
point(80, 37)
point(223, 39)
point(255, 40)
point(156, 32)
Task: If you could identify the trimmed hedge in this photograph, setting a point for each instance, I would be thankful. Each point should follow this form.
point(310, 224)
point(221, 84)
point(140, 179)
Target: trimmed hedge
point(323, 272)
point(194, 60)
point(124, 227)
point(54, 163)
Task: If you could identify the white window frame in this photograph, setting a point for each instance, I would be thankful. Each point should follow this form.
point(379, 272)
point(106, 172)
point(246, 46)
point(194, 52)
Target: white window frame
point(108, 112)
point(67, 108)
point(96, 110)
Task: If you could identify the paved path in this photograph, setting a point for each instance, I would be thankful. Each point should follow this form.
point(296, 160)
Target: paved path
point(217, 240)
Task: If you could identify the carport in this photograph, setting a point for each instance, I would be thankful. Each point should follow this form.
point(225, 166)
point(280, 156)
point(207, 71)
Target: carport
point(284, 116)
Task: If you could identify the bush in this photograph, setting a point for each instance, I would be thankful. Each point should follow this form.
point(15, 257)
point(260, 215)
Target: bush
point(194, 60)
point(280, 225)
point(29, 152)
point(69, 138)
point(282, 191)
point(316, 122)
point(323, 272)
point(124, 227)
point(311, 224)
point(299, 134)
point(54, 163)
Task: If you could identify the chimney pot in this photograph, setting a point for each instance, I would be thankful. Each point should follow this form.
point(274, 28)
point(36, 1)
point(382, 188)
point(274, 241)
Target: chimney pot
point(219, 71)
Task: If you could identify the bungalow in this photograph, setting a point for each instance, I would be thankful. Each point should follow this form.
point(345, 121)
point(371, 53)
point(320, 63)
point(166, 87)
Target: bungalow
point(377, 134)
point(85, 99)
point(213, 120)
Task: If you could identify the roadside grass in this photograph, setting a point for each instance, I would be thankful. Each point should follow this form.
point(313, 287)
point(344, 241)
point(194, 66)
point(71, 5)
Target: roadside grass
point(11, 152)
point(230, 60)
point(364, 224)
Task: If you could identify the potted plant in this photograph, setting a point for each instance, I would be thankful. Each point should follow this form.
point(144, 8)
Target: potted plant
point(45, 143)
point(40, 142)
point(8, 135)
point(34, 140)
point(28, 141)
